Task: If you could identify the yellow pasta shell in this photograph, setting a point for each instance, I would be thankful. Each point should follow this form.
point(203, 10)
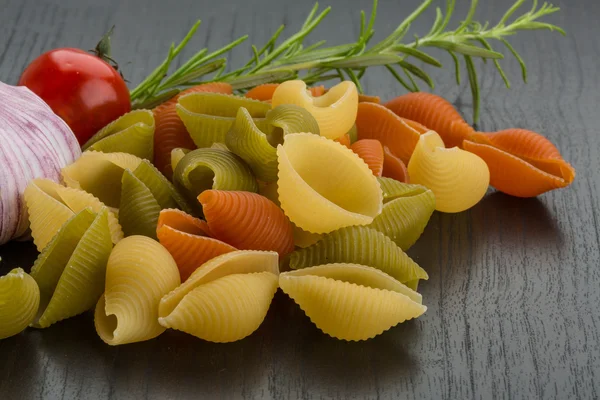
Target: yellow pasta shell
point(324, 186)
point(139, 273)
point(305, 239)
point(77, 200)
point(458, 178)
point(227, 309)
point(236, 262)
point(335, 111)
point(46, 211)
point(19, 302)
point(349, 301)
point(100, 174)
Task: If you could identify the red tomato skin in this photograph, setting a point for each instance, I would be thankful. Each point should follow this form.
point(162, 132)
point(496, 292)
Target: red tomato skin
point(81, 88)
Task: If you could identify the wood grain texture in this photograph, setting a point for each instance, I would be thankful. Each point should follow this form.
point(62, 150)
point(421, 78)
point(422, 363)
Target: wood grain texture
point(514, 284)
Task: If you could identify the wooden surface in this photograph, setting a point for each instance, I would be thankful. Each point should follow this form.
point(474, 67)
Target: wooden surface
point(514, 289)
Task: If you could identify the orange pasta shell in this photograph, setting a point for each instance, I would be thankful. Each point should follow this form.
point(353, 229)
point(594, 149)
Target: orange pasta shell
point(345, 140)
point(185, 237)
point(371, 151)
point(247, 221)
point(365, 98)
point(522, 163)
point(375, 121)
point(265, 91)
point(393, 167)
point(170, 132)
point(435, 113)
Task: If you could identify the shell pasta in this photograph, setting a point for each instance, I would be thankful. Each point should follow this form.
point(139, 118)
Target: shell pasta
point(351, 302)
point(70, 270)
point(19, 301)
point(335, 111)
point(139, 273)
point(359, 245)
point(325, 186)
point(204, 307)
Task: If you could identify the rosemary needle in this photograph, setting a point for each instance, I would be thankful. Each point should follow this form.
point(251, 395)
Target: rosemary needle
point(316, 63)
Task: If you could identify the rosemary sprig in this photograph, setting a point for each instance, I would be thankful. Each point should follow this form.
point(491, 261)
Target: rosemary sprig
point(278, 62)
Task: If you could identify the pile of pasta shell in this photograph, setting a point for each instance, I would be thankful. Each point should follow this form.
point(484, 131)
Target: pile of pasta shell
point(192, 215)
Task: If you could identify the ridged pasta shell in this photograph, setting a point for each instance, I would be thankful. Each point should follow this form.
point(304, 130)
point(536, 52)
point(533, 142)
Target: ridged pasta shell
point(253, 146)
point(139, 210)
point(269, 190)
point(19, 301)
point(344, 140)
point(73, 287)
point(204, 306)
point(247, 221)
point(46, 211)
point(393, 189)
point(131, 133)
point(210, 312)
point(262, 92)
point(100, 174)
point(394, 167)
point(208, 116)
point(359, 245)
point(291, 119)
point(204, 169)
point(335, 111)
point(163, 191)
point(170, 131)
point(78, 200)
point(304, 239)
point(187, 239)
point(51, 262)
point(176, 156)
point(458, 179)
point(406, 213)
point(435, 113)
point(365, 98)
point(371, 151)
point(353, 133)
point(265, 91)
point(236, 262)
point(324, 186)
point(351, 302)
point(139, 273)
point(374, 121)
point(522, 163)
point(180, 220)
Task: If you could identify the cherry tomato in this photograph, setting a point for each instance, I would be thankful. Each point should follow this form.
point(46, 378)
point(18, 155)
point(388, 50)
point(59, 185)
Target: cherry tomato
point(81, 88)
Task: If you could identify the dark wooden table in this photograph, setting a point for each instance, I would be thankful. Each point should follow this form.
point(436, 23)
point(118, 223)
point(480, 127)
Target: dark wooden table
point(514, 289)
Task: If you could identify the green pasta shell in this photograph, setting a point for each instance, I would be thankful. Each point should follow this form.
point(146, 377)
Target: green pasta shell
point(51, 262)
point(208, 116)
point(353, 133)
point(393, 189)
point(290, 118)
point(81, 278)
point(204, 169)
point(406, 211)
point(359, 245)
point(253, 146)
point(132, 133)
point(139, 210)
point(176, 156)
point(163, 191)
point(19, 302)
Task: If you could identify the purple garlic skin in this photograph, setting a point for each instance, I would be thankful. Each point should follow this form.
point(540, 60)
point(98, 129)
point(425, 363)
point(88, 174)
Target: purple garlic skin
point(34, 143)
